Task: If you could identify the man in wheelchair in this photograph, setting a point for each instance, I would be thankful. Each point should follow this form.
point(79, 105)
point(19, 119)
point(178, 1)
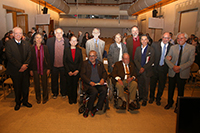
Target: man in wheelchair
point(124, 76)
point(93, 75)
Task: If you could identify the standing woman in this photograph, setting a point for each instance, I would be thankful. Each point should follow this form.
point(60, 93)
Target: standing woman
point(40, 67)
point(72, 61)
point(85, 38)
point(143, 59)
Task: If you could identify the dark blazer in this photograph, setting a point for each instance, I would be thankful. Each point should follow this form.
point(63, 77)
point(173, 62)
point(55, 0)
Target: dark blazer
point(86, 72)
point(113, 54)
point(68, 62)
point(148, 66)
point(46, 62)
point(129, 45)
point(157, 47)
point(32, 38)
point(51, 47)
point(118, 70)
point(14, 57)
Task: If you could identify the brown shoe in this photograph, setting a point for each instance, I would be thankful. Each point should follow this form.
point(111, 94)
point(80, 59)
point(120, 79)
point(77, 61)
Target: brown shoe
point(132, 106)
point(123, 106)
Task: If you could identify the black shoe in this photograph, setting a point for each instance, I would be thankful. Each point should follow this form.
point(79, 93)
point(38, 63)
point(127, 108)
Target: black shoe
point(144, 103)
point(93, 112)
point(17, 107)
point(85, 114)
point(158, 102)
point(38, 101)
point(132, 106)
point(54, 96)
point(151, 100)
point(168, 106)
point(27, 104)
point(176, 110)
point(44, 101)
point(123, 107)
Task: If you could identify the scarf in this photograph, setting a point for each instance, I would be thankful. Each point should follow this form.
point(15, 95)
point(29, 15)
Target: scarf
point(40, 60)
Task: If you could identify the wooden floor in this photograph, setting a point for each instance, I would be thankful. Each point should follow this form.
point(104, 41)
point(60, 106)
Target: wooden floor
point(57, 115)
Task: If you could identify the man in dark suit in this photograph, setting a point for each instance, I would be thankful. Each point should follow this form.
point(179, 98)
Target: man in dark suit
point(179, 59)
point(133, 42)
point(56, 46)
point(144, 58)
point(93, 75)
point(124, 73)
point(34, 31)
point(160, 68)
point(18, 54)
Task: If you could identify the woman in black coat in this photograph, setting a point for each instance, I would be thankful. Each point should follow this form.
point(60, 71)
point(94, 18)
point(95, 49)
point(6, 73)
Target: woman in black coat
point(85, 38)
point(72, 61)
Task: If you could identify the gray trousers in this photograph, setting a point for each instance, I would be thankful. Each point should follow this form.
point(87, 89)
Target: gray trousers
point(43, 78)
point(143, 85)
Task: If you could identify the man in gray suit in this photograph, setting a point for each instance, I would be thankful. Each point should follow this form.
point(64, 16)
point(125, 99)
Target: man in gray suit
point(179, 59)
point(96, 44)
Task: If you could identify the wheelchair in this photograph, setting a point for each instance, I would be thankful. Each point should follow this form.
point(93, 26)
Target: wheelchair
point(84, 97)
point(116, 98)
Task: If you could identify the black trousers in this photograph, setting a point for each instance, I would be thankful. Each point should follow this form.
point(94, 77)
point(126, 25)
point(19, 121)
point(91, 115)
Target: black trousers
point(160, 76)
point(72, 88)
point(43, 78)
point(173, 81)
point(55, 72)
point(21, 86)
point(93, 93)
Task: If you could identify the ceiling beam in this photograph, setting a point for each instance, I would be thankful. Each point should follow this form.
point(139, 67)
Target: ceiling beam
point(13, 9)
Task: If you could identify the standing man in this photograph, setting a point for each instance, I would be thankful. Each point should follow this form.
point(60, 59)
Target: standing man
point(179, 59)
point(133, 42)
point(56, 46)
point(93, 75)
point(33, 30)
point(96, 44)
point(18, 54)
point(160, 68)
point(80, 38)
point(144, 58)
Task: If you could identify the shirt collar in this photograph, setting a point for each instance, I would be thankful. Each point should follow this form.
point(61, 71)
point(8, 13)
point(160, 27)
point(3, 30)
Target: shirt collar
point(17, 41)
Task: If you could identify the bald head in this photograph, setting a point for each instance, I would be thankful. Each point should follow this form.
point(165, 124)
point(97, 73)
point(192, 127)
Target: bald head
point(126, 58)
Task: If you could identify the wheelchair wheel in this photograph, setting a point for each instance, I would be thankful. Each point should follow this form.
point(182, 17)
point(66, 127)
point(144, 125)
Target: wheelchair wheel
point(81, 109)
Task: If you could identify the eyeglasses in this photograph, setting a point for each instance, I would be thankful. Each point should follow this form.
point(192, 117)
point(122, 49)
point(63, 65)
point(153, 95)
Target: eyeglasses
point(92, 55)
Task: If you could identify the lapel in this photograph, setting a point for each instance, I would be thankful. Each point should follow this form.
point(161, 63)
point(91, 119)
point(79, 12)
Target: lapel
point(122, 67)
point(24, 49)
point(159, 50)
point(16, 50)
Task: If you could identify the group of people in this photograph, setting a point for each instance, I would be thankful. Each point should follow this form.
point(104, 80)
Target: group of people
point(152, 64)
point(133, 64)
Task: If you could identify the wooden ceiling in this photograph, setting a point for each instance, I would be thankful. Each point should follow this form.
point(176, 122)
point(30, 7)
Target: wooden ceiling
point(157, 5)
point(42, 3)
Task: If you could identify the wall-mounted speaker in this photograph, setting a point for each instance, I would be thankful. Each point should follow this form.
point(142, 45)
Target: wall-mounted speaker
point(45, 10)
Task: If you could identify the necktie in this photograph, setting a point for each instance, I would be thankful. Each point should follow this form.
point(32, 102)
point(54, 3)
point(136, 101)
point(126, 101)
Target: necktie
point(162, 56)
point(96, 44)
point(127, 71)
point(179, 57)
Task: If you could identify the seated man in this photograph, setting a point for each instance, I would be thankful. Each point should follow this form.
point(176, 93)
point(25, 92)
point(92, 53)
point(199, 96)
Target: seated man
point(124, 74)
point(93, 75)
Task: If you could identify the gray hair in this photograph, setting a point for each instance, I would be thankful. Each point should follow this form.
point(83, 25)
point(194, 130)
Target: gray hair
point(185, 35)
point(17, 28)
point(59, 29)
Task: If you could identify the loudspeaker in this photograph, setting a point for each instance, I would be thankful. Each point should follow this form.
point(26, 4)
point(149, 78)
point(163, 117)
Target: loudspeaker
point(154, 13)
point(45, 10)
